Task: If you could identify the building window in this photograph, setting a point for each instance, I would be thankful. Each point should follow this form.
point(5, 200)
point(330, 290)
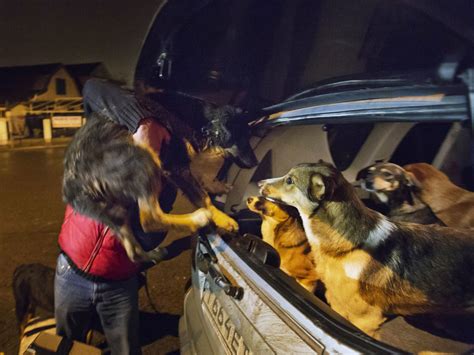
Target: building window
point(60, 87)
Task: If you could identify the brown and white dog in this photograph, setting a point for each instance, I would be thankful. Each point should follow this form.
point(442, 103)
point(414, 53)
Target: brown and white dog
point(372, 267)
point(282, 229)
point(450, 203)
point(399, 190)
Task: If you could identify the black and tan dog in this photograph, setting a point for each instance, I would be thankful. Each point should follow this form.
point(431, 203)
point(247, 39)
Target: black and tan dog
point(107, 173)
point(372, 267)
point(399, 190)
point(282, 229)
point(33, 287)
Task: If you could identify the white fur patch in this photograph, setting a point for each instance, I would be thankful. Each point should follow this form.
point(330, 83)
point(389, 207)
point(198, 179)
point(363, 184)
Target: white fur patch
point(382, 230)
point(201, 217)
point(312, 238)
point(353, 269)
point(382, 197)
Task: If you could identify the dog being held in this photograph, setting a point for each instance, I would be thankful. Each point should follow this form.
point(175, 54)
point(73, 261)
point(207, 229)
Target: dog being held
point(372, 267)
point(108, 171)
point(282, 229)
point(399, 190)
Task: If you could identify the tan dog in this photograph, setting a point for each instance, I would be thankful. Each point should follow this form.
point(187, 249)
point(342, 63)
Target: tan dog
point(285, 233)
point(372, 267)
point(450, 203)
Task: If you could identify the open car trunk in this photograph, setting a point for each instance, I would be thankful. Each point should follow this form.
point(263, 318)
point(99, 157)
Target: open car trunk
point(272, 313)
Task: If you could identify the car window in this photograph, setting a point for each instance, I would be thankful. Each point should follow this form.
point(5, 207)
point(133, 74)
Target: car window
point(421, 143)
point(345, 141)
point(264, 170)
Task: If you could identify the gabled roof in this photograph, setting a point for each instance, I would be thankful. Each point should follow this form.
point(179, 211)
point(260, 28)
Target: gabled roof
point(20, 83)
point(82, 72)
point(86, 69)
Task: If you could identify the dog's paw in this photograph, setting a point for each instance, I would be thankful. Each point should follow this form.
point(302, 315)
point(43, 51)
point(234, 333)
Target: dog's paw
point(202, 217)
point(223, 221)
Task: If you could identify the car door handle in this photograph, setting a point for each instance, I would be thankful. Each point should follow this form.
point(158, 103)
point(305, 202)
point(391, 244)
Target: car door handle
point(224, 284)
point(207, 263)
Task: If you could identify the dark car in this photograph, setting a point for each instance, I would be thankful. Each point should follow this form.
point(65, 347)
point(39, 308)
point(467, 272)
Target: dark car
point(394, 81)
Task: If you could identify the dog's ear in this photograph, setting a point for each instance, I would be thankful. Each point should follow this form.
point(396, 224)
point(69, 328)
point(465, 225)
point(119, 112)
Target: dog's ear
point(411, 180)
point(317, 188)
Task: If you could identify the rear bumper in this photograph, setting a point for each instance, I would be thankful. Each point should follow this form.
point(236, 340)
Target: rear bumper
point(192, 333)
point(185, 345)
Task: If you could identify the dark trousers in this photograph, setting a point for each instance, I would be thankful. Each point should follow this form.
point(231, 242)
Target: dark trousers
point(77, 299)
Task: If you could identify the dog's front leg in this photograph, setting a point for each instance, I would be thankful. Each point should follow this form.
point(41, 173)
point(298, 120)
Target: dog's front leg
point(152, 218)
point(220, 219)
point(370, 322)
point(199, 197)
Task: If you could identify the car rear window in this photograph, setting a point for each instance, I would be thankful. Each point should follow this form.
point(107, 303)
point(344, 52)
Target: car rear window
point(421, 143)
point(345, 141)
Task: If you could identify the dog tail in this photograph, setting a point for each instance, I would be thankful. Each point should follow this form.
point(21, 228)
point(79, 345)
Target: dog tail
point(22, 294)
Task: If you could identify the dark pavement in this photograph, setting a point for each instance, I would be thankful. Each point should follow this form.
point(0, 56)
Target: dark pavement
point(31, 212)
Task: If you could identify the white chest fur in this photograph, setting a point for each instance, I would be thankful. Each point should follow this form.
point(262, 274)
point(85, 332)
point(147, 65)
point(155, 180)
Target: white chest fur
point(308, 229)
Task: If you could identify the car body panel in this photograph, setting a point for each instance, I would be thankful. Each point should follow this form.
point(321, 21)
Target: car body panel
point(262, 322)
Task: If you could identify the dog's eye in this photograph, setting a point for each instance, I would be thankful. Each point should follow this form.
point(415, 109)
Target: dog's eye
point(387, 174)
point(289, 180)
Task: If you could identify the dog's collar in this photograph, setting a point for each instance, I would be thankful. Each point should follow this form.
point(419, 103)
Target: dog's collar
point(274, 200)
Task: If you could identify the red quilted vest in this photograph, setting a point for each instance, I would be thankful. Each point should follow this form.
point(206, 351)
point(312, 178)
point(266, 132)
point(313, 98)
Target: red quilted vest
point(93, 248)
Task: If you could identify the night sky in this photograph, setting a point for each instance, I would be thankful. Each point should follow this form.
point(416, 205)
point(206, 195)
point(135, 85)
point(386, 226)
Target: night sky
point(74, 31)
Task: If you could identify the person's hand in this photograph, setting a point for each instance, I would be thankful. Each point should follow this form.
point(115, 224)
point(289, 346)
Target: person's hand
point(158, 254)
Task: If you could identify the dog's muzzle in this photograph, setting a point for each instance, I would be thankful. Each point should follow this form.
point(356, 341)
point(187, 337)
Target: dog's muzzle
point(264, 192)
point(274, 200)
point(243, 156)
point(367, 185)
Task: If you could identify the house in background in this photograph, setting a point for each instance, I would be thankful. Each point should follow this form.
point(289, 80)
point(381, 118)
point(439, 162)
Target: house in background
point(82, 72)
point(28, 94)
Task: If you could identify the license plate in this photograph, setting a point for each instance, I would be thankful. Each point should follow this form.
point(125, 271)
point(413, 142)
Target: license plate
point(225, 329)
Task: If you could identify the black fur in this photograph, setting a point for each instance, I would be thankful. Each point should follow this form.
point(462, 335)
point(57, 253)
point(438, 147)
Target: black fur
point(33, 286)
point(203, 123)
point(105, 173)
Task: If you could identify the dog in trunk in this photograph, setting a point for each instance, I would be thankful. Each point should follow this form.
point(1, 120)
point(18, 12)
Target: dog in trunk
point(399, 190)
point(374, 268)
